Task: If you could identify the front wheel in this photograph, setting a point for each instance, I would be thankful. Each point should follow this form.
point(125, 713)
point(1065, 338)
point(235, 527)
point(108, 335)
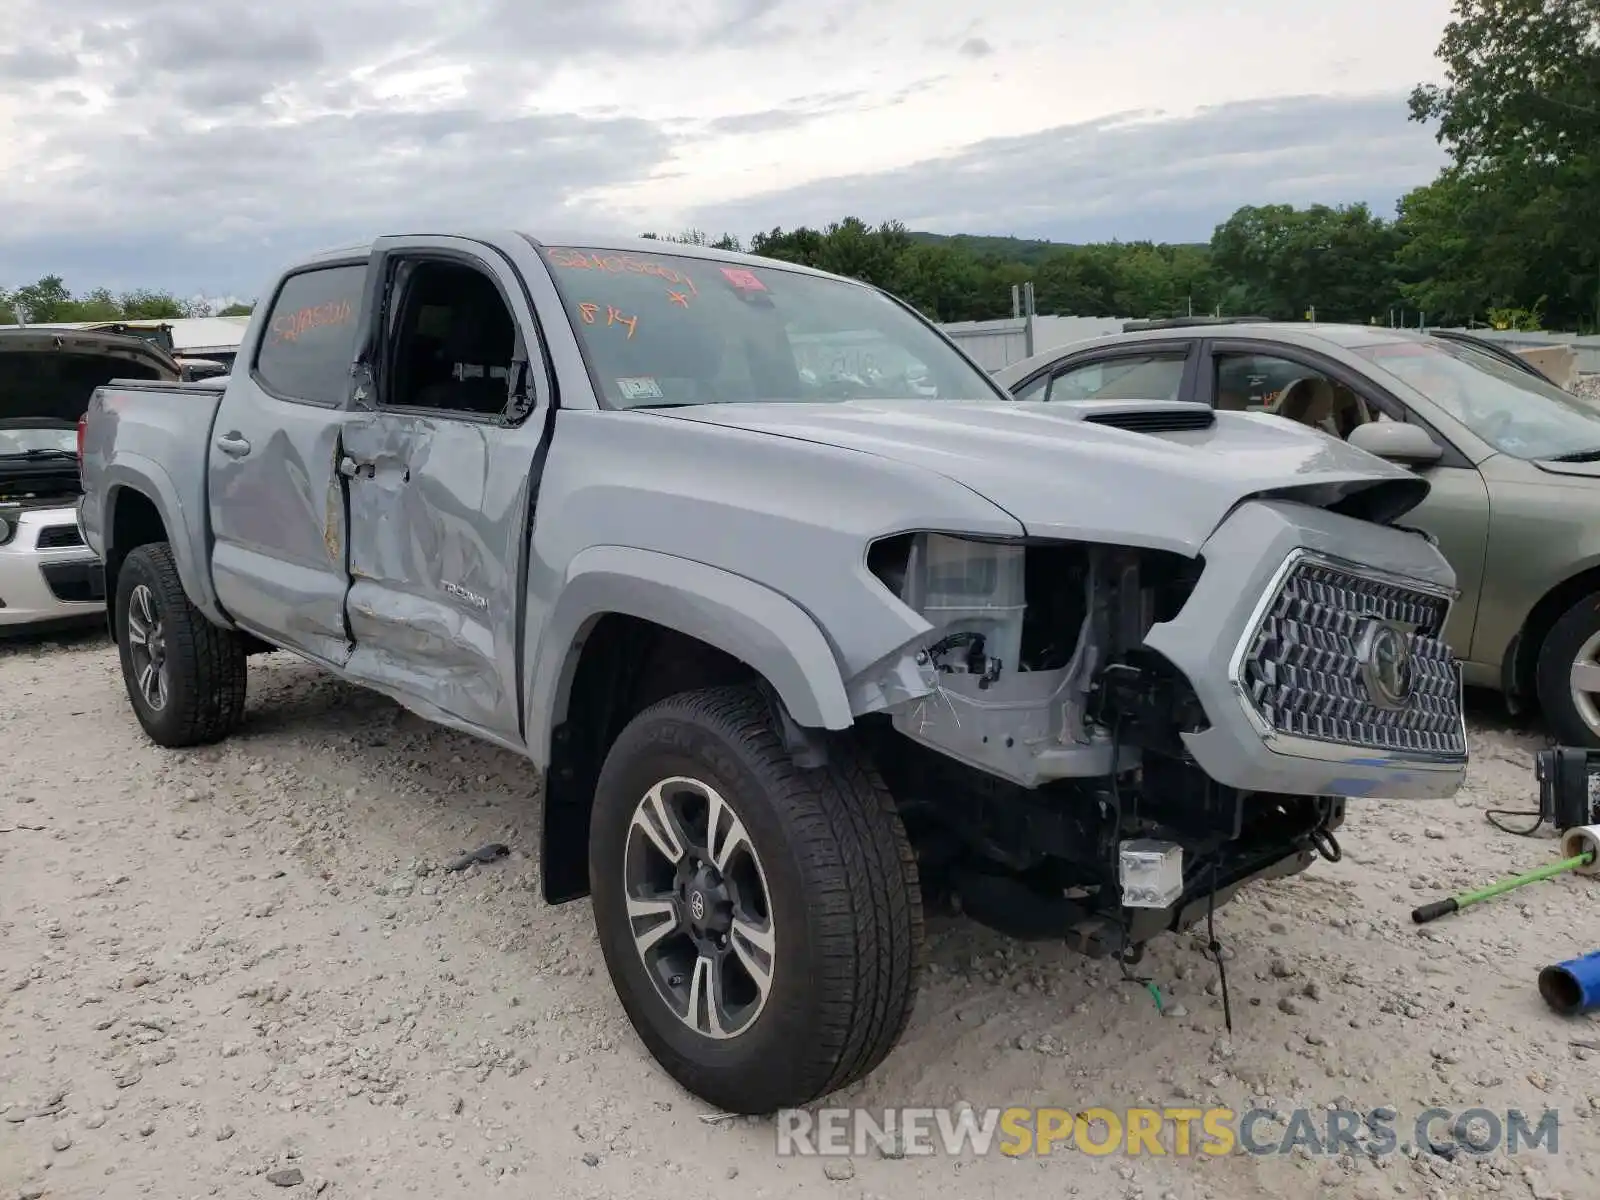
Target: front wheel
point(762, 923)
point(1569, 675)
point(185, 676)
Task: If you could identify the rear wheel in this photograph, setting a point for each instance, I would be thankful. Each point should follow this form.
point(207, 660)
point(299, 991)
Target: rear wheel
point(185, 676)
point(762, 924)
point(1569, 675)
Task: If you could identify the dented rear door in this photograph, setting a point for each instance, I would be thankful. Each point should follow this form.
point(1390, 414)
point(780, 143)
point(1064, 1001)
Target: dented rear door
point(276, 505)
point(439, 497)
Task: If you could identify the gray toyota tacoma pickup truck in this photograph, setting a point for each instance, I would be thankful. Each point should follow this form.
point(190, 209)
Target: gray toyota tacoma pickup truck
point(808, 625)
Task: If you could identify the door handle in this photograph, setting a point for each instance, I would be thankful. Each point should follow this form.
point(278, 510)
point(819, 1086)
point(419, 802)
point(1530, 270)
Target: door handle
point(351, 469)
point(234, 445)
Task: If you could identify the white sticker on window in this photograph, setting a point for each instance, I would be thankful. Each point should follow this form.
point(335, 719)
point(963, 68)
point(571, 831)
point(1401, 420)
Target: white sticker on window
point(642, 388)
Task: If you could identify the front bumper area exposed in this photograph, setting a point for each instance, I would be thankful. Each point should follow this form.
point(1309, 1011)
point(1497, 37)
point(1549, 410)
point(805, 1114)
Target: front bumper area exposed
point(47, 574)
point(1288, 641)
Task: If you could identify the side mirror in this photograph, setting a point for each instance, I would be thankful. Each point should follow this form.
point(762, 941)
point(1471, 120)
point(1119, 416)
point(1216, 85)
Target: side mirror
point(1397, 442)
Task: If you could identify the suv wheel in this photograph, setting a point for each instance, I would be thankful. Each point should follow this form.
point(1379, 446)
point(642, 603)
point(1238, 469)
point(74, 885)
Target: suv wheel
point(762, 924)
point(185, 676)
point(1569, 675)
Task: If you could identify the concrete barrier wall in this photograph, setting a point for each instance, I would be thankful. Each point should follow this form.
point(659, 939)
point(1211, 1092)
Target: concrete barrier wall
point(996, 344)
point(1585, 348)
point(1558, 362)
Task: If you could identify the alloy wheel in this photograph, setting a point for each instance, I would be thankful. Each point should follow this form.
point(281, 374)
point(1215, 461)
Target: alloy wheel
point(147, 648)
point(698, 907)
point(1585, 683)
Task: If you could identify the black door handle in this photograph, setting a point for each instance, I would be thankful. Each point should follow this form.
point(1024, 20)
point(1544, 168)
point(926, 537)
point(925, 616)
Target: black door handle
point(351, 469)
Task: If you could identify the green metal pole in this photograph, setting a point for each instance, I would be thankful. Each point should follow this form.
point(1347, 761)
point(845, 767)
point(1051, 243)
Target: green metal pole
point(1440, 908)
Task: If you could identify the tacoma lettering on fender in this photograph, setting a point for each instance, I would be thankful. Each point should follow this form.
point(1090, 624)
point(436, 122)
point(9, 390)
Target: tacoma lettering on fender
point(808, 625)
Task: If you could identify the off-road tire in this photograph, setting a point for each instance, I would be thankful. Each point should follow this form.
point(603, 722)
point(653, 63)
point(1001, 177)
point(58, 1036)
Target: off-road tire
point(842, 886)
point(1561, 645)
point(206, 664)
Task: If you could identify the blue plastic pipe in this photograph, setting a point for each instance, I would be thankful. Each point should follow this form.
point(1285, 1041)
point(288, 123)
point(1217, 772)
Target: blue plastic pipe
point(1572, 987)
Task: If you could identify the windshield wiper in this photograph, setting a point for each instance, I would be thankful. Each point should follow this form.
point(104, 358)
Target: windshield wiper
point(39, 453)
point(1578, 456)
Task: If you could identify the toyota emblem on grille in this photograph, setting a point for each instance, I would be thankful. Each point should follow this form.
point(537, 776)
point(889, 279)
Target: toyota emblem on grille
point(1384, 656)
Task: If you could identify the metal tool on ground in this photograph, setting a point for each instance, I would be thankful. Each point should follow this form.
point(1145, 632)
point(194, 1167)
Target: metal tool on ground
point(1580, 849)
point(483, 854)
point(1572, 988)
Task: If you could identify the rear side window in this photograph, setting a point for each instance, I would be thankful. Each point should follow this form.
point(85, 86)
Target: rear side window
point(1157, 376)
point(311, 335)
point(1034, 390)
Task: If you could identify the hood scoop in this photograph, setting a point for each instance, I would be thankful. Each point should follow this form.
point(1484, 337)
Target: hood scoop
point(1148, 416)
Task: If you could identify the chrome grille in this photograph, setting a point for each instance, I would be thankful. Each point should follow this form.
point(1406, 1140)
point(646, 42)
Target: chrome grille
point(1304, 672)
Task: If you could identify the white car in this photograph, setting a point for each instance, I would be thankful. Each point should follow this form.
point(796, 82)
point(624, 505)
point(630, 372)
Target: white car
point(48, 576)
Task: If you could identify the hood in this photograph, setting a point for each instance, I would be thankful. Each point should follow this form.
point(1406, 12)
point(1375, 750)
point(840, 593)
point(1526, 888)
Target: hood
point(1063, 476)
point(1574, 470)
point(50, 373)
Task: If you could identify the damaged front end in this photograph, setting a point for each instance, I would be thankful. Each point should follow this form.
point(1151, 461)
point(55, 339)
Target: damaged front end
point(1097, 742)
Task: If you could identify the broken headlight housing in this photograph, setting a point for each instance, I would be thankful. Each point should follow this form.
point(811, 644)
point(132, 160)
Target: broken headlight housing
point(971, 591)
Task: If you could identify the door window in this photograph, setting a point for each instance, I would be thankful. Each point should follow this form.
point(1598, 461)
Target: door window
point(452, 341)
point(1034, 390)
point(1302, 393)
point(309, 340)
point(1156, 376)
point(1251, 382)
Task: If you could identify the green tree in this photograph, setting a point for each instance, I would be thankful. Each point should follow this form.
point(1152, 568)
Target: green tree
point(1522, 83)
point(145, 305)
point(1282, 261)
point(44, 301)
point(47, 301)
point(697, 237)
point(1519, 114)
point(1469, 243)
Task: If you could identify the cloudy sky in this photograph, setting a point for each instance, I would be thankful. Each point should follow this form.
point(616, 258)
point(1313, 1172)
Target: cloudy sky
point(195, 144)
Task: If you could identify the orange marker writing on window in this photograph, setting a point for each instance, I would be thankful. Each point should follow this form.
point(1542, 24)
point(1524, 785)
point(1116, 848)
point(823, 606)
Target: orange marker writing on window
point(588, 311)
point(613, 317)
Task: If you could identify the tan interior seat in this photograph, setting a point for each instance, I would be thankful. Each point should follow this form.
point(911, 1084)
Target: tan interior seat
point(1322, 404)
point(1349, 410)
point(1308, 400)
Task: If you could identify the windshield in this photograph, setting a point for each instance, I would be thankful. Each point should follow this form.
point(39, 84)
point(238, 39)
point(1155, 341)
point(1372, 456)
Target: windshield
point(37, 438)
point(1515, 412)
point(662, 329)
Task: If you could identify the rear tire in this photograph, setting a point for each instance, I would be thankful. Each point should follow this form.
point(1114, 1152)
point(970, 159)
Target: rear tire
point(1570, 655)
point(185, 676)
point(839, 904)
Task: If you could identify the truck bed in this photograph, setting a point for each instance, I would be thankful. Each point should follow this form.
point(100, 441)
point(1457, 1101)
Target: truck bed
point(162, 435)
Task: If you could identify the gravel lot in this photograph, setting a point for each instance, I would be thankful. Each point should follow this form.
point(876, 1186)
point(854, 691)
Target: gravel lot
point(243, 972)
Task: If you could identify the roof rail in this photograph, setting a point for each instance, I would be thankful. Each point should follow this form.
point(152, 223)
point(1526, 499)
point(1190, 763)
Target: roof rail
point(1182, 322)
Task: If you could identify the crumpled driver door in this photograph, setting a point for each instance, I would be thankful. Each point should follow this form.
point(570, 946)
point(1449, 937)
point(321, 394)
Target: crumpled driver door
point(438, 515)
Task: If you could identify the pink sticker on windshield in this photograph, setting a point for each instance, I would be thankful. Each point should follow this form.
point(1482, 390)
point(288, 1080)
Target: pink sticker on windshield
point(743, 279)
